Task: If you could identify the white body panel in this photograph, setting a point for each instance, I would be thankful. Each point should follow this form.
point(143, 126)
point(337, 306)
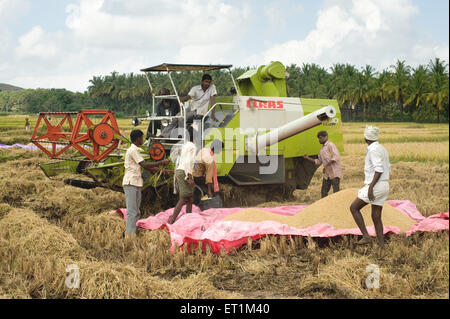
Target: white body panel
point(265, 113)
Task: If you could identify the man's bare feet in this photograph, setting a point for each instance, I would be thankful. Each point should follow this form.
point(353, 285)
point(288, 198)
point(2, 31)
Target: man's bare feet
point(130, 237)
point(364, 241)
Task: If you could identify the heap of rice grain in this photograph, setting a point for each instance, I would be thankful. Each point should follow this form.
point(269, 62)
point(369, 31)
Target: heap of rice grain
point(333, 210)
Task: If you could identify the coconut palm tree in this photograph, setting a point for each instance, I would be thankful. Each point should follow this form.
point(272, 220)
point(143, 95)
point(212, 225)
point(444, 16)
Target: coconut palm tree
point(399, 82)
point(418, 86)
point(292, 83)
point(337, 83)
point(315, 81)
point(340, 83)
point(380, 86)
point(438, 94)
point(361, 88)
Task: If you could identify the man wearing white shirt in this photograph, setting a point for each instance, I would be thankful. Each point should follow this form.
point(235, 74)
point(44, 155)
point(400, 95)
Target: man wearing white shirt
point(132, 179)
point(201, 96)
point(376, 190)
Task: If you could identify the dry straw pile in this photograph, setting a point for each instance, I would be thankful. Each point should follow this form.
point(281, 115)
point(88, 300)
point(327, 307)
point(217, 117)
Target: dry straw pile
point(37, 254)
point(333, 210)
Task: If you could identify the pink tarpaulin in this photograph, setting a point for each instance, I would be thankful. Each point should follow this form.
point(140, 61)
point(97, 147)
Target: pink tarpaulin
point(209, 228)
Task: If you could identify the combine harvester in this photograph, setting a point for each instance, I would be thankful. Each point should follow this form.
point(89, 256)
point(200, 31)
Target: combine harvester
point(258, 126)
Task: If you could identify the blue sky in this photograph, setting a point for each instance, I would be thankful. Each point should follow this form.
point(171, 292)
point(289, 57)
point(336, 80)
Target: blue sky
point(62, 43)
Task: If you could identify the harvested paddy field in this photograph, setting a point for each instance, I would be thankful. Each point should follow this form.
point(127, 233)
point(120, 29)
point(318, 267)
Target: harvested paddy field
point(45, 226)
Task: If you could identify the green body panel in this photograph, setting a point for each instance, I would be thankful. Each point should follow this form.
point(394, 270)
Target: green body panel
point(267, 80)
point(230, 145)
point(112, 174)
point(52, 169)
point(226, 159)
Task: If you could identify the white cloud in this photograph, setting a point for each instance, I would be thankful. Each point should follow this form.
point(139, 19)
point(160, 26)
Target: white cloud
point(279, 12)
point(11, 9)
point(360, 32)
point(153, 24)
point(370, 15)
point(204, 54)
point(37, 43)
point(5, 40)
point(274, 15)
point(125, 35)
point(422, 54)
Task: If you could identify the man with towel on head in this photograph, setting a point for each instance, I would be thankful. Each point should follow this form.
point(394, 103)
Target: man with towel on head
point(376, 190)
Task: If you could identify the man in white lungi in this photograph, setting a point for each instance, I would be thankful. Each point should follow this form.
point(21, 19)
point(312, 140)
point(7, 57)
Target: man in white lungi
point(376, 186)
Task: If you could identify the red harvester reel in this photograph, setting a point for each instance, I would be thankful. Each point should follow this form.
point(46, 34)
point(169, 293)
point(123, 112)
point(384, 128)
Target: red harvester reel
point(95, 141)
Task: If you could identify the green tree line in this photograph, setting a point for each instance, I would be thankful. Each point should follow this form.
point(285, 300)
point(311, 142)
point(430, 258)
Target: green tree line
point(398, 93)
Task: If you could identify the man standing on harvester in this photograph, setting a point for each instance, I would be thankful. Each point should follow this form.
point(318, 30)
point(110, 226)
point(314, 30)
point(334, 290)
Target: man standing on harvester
point(201, 96)
point(132, 179)
point(376, 190)
point(330, 159)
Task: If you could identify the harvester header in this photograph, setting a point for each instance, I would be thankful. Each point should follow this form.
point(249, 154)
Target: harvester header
point(95, 141)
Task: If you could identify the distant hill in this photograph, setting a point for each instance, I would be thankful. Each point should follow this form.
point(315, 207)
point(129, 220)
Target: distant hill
point(8, 87)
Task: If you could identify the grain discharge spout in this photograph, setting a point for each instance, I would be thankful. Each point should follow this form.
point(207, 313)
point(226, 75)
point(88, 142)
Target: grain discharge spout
point(258, 143)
